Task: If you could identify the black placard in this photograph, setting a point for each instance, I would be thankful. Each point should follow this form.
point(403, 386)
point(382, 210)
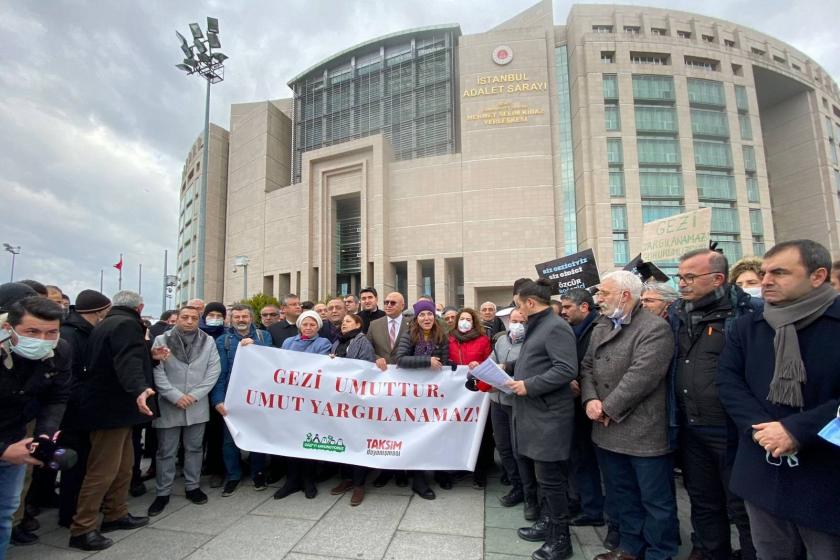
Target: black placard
point(645, 270)
point(572, 271)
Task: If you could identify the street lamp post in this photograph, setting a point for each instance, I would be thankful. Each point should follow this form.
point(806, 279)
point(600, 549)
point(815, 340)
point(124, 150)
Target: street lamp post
point(14, 251)
point(242, 261)
point(200, 59)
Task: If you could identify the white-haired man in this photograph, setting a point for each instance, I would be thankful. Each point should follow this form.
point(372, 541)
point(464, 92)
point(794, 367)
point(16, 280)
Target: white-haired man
point(623, 388)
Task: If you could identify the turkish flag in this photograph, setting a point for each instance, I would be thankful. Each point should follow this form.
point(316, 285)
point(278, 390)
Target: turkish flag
point(118, 266)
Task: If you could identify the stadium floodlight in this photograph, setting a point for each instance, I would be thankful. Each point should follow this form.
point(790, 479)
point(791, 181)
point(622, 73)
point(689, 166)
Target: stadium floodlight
point(213, 25)
point(195, 29)
point(213, 40)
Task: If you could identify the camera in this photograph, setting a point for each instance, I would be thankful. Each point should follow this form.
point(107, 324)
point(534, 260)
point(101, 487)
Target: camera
point(46, 450)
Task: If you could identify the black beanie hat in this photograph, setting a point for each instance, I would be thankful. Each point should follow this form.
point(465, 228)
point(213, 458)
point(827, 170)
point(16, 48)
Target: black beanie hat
point(215, 306)
point(91, 301)
point(13, 292)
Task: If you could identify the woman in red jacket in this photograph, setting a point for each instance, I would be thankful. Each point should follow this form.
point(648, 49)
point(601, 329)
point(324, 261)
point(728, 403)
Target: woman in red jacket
point(469, 346)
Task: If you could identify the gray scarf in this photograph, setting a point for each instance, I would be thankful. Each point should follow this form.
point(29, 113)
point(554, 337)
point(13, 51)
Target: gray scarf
point(787, 318)
point(181, 344)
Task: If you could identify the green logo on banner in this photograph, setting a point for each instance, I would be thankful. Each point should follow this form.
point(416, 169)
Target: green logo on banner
point(324, 443)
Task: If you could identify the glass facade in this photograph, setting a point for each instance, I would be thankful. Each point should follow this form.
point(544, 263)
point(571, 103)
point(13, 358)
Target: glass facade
point(655, 119)
point(706, 92)
point(402, 88)
point(567, 159)
point(655, 88)
point(621, 244)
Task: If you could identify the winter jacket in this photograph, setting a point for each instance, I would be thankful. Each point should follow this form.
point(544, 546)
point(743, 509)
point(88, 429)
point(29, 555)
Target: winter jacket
point(475, 350)
point(368, 316)
point(626, 368)
point(406, 358)
point(226, 346)
point(317, 345)
point(505, 354)
point(118, 369)
point(75, 330)
point(808, 494)
point(543, 418)
point(33, 389)
point(359, 348)
point(174, 379)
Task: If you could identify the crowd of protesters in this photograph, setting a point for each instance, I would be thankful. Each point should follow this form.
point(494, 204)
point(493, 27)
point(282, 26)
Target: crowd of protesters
point(727, 378)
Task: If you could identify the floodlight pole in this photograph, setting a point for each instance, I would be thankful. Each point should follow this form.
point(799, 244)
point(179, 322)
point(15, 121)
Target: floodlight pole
point(202, 208)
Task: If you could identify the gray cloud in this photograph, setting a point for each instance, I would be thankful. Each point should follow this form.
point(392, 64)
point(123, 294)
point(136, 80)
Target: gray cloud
point(97, 121)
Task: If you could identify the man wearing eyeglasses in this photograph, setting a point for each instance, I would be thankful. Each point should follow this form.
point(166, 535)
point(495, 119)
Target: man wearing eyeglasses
point(778, 380)
point(269, 315)
point(351, 303)
point(699, 320)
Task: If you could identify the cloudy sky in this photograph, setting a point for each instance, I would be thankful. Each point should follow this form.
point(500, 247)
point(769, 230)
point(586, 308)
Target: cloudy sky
point(95, 121)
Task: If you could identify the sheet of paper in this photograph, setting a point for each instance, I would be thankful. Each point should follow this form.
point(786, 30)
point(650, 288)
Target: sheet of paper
point(492, 374)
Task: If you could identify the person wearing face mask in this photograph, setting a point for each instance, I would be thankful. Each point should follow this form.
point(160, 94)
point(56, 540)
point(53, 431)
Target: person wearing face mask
point(352, 344)
point(699, 320)
point(505, 353)
point(746, 274)
point(35, 374)
point(543, 414)
point(90, 309)
point(213, 319)
point(212, 323)
point(242, 332)
point(623, 386)
point(469, 346)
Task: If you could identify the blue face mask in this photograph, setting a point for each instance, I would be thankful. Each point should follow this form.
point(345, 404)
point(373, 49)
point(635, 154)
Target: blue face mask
point(33, 348)
point(831, 431)
point(516, 331)
point(214, 322)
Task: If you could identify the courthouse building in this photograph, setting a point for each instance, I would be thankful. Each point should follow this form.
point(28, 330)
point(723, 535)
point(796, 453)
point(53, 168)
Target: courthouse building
point(428, 161)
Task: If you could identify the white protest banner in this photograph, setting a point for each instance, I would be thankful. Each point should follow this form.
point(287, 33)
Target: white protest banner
point(348, 411)
point(666, 240)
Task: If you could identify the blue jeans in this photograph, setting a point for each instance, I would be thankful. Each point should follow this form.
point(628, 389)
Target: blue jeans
point(231, 456)
point(641, 492)
point(11, 486)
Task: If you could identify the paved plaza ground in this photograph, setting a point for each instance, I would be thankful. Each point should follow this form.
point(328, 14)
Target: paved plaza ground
point(392, 523)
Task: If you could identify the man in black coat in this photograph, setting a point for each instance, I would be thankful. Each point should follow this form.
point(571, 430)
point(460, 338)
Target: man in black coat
point(778, 381)
point(287, 327)
point(90, 309)
point(34, 383)
point(113, 397)
point(370, 307)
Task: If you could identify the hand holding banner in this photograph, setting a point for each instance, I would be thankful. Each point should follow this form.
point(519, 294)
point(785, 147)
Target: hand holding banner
point(347, 411)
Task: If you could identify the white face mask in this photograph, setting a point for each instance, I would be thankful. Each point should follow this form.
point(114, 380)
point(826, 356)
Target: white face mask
point(214, 322)
point(464, 326)
point(753, 291)
point(33, 348)
point(516, 331)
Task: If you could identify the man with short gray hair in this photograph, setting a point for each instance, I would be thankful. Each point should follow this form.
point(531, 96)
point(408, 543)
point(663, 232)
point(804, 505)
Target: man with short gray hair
point(623, 389)
point(658, 297)
point(113, 397)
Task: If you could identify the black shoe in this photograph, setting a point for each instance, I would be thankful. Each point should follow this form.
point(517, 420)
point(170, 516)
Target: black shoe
point(22, 537)
point(196, 496)
point(613, 538)
point(126, 523)
point(401, 479)
point(512, 498)
point(309, 489)
point(29, 524)
point(230, 488)
point(558, 544)
point(444, 480)
point(536, 532)
point(423, 491)
point(531, 511)
point(158, 505)
point(504, 480)
point(382, 479)
point(288, 489)
point(90, 541)
point(479, 481)
point(587, 521)
point(259, 482)
point(137, 489)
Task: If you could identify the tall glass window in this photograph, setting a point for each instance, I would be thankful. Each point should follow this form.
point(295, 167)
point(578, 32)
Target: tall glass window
point(615, 161)
point(756, 222)
point(655, 119)
point(746, 127)
point(715, 186)
point(658, 88)
point(657, 209)
point(706, 92)
point(658, 151)
point(660, 183)
point(621, 245)
point(752, 189)
point(749, 158)
point(567, 160)
point(709, 123)
point(610, 86)
point(708, 153)
point(741, 100)
point(612, 118)
point(403, 90)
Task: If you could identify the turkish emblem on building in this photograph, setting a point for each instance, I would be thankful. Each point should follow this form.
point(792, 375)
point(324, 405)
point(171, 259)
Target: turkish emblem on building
point(502, 55)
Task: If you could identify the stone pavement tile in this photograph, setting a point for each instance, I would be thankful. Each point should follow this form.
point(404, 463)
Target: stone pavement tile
point(44, 552)
point(298, 506)
point(156, 543)
point(459, 511)
point(505, 518)
point(355, 532)
point(255, 538)
point(299, 556)
point(505, 541)
point(60, 537)
point(497, 556)
point(418, 546)
point(588, 536)
point(217, 514)
point(494, 491)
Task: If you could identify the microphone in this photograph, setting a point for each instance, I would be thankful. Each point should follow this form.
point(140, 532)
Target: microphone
point(46, 450)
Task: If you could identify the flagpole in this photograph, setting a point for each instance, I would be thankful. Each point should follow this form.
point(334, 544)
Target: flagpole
point(140, 279)
point(119, 282)
point(101, 280)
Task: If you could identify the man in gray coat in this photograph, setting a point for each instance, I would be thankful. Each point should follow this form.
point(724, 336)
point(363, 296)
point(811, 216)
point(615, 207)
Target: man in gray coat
point(544, 413)
point(623, 388)
point(184, 380)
